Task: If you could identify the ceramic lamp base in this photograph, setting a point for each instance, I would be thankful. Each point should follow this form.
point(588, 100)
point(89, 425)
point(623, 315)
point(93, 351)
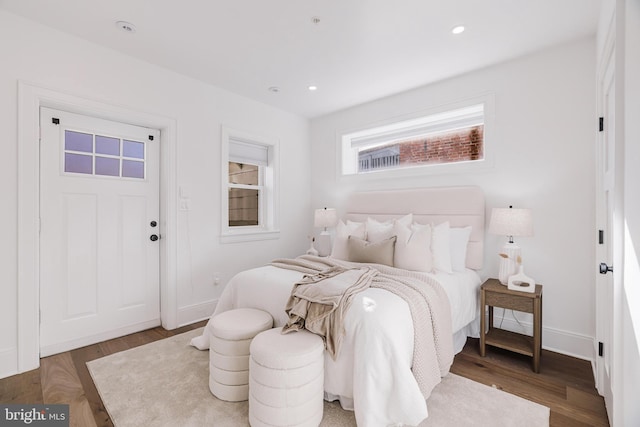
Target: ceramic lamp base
point(323, 244)
point(508, 266)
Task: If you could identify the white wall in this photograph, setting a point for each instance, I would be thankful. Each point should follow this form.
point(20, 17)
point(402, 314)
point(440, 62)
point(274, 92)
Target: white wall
point(543, 142)
point(45, 57)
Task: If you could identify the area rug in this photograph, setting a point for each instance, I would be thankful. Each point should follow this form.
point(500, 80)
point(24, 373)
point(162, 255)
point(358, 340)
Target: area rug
point(166, 383)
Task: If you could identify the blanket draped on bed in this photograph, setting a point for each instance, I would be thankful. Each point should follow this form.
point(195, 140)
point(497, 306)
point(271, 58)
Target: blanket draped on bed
point(427, 301)
point(319, 302)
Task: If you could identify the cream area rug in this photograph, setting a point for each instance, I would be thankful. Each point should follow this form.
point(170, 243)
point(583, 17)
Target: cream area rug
point(166, 383)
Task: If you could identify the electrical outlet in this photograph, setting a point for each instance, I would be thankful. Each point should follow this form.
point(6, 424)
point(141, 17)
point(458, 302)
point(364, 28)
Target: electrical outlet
point(216, 279)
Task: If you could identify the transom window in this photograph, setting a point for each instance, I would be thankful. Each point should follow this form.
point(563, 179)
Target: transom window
point(92, 154)
point(452, 136)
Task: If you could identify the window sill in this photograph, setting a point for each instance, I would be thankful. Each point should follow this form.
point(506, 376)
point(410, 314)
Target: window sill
point(249, 236)
point(467, 167)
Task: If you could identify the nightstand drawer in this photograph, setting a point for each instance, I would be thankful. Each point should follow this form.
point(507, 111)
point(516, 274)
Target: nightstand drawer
point(494, 299)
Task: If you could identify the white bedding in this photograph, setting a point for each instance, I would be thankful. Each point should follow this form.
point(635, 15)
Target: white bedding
point(380, 386)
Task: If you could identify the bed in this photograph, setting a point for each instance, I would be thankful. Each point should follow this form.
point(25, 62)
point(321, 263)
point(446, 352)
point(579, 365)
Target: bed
point(372, 373)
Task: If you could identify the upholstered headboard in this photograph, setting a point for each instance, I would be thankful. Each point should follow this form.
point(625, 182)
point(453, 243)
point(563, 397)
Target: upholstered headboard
point(461, 206)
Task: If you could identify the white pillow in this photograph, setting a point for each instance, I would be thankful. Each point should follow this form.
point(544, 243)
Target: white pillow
point(343, 231)
point(378, 231)
point(440, 247)
point(413, 247)
point(458, 245)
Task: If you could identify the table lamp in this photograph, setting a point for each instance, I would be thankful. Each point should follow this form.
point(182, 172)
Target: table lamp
point(510, 222)
point(324, 218)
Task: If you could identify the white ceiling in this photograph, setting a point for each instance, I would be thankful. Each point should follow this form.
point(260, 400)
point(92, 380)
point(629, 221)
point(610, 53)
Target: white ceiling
point(360, 51)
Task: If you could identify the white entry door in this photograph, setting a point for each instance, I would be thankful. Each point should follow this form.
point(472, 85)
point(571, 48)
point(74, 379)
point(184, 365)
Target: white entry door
point(99, 230)
point(607, 288)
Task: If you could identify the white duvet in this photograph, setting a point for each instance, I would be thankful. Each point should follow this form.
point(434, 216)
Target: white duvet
point(372, 374)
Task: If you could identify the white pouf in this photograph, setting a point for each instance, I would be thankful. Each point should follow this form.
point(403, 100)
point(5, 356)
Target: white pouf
point(286, 379)
point(231, 333)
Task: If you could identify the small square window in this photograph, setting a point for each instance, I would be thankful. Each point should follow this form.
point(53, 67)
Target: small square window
point(78, 163)
point(107, 145)
point(78, 141)
point(107, 166)
point(132, 169)
point(133, 149)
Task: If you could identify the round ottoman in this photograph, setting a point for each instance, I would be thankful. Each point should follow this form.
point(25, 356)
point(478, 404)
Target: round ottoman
point(230, 334)
point(286, 379)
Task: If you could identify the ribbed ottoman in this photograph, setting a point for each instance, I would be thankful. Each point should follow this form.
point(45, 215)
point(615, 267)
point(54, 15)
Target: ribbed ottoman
point(231, 333)
point(286, 379)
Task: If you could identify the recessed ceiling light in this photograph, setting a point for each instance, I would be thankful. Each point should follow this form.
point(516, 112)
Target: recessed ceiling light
point(312, 88)
point(458, 29)
point(125, 26)
point(274, 89)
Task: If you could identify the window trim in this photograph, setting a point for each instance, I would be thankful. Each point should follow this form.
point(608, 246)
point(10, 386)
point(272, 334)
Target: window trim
point(268, 201)
point(344, 149)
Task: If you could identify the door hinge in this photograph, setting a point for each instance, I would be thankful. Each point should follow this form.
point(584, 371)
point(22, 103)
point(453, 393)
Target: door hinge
point(601, 124)
point(601, 237)
point(600, 349)
point(55, 120)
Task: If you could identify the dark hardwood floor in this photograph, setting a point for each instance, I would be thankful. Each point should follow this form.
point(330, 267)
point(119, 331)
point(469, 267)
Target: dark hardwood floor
point(564, 384)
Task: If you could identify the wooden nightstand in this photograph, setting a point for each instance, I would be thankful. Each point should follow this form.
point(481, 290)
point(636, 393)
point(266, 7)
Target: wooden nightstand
point(494, 294)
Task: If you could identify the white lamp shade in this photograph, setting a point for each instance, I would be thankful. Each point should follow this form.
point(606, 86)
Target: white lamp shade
point(326, 217)
point(511, 222)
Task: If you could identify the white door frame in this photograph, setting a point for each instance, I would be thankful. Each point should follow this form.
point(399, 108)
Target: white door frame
point(30, 99)
point(606, 315)
point(609, 54)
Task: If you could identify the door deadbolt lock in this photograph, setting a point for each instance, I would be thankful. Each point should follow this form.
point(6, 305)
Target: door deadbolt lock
point(154, 237)
point(604, 268)
point(153, 223)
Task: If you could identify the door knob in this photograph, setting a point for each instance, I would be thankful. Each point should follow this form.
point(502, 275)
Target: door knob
point(604, 268)
point(153, 237)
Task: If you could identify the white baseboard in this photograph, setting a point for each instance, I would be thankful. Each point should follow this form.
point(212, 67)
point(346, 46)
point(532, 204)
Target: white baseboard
point(84, 341)
point(556, 340)
point(196, 312)
point(8, 362)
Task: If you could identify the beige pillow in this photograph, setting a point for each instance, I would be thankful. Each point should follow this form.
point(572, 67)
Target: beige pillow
point(343, 231)
point(377, 253)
